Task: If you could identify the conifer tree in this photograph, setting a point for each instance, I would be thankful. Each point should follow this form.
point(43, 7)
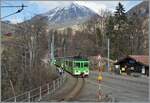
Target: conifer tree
point(116, 27)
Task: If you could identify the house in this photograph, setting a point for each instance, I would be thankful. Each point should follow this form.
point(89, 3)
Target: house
point(7, 28)
point(132, 64)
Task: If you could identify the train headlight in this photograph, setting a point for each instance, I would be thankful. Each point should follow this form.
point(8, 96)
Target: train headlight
point(77, 72)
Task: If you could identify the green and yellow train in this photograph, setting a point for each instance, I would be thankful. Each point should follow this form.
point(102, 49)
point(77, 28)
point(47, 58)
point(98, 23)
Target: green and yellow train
point(77, 66)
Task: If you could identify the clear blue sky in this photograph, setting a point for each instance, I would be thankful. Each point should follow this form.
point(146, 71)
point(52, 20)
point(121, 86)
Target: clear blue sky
point(37, 7)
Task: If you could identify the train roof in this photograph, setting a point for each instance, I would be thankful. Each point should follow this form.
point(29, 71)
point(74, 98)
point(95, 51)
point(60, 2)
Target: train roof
point(77, 58)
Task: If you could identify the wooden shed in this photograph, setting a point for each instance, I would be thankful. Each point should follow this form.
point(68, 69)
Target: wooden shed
point(133, 64)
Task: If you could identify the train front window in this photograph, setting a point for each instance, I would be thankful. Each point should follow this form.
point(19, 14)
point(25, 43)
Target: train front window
point(86, 65)
point(81, 65)
point(77, 64)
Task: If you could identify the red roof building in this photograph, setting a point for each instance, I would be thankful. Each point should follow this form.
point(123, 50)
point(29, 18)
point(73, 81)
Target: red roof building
point(141, 58)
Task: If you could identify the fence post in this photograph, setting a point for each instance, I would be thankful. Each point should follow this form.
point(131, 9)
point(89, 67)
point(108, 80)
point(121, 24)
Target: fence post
point(61, 80)
point(64, 76)
point(15, 99)
point(48, 88)
point(113, 99)
point(40, 94)
point(58, 82)
point(54, 85)
point(28, 96)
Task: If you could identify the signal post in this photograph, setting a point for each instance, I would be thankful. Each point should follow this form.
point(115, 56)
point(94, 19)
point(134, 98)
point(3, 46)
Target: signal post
point(99, 78)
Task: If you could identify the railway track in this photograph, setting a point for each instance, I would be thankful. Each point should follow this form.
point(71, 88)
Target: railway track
point(69, 91)
point(74, 92)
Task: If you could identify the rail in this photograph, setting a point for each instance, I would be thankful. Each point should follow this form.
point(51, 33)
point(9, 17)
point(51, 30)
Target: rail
point(37, 93)
point(75, 91)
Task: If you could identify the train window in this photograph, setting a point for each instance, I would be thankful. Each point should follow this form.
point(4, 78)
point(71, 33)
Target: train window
point(77, 64)
point(82, 65)
point(85, 64)
point(66, 63)
point(70, 63)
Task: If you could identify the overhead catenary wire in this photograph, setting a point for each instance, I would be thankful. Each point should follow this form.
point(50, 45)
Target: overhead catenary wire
point(18, 11)
point(11, 6)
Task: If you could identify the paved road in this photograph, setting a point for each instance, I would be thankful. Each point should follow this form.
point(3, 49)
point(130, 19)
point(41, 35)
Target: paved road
point(122, 88)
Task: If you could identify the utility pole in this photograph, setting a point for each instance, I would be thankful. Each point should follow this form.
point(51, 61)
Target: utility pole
point(100, 78)
point(64, 48)
point(108, 64)
point(52, 49)
point(31, 52)
point(49, 44)
point(31, 58)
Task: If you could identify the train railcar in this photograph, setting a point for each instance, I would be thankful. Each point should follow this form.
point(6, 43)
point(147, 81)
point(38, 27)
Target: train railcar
point(77, 66)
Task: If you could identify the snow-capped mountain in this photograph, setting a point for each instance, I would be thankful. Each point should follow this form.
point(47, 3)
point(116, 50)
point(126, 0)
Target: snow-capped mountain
point(71, 14)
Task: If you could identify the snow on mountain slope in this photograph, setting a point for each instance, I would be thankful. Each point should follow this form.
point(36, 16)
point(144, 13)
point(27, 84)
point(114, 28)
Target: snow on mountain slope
point(71, 14)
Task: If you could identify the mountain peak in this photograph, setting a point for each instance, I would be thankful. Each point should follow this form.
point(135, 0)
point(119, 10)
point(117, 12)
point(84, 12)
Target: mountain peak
point(74, 4)
point(70, 14)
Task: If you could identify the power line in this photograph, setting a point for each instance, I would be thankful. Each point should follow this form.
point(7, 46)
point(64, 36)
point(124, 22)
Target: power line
point(18, 11)
point(12, 6)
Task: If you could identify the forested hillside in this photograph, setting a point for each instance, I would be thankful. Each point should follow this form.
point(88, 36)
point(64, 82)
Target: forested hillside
point(127, 31)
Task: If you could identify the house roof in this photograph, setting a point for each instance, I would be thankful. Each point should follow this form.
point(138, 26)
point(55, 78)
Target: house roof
point(141, 58)
point(138, 58)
